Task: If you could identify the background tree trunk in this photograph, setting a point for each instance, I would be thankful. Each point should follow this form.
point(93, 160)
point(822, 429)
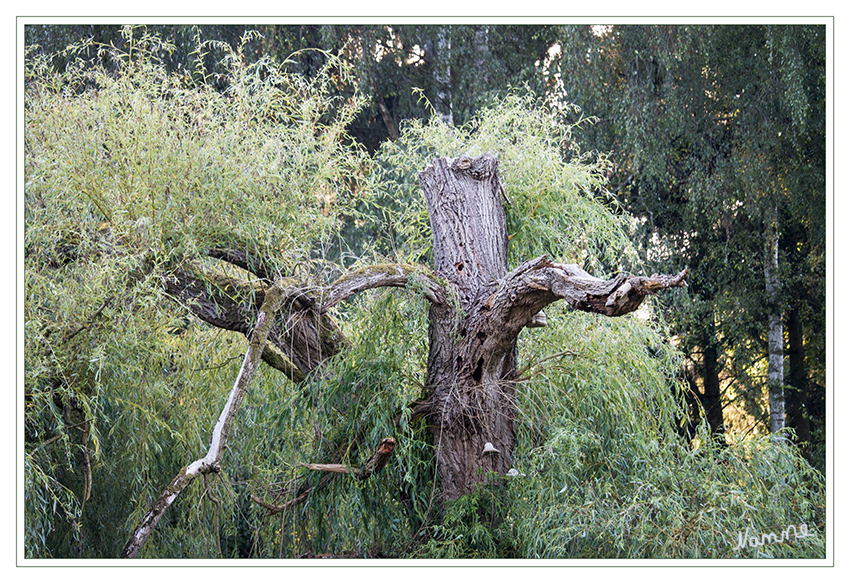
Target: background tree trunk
point(443, 74)
point(711, 386)
point(796, 399)
point(775, 342)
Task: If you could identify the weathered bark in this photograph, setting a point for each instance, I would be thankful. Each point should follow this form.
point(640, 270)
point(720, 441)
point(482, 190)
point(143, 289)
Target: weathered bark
point(472, 389)
point(386, 275)
point(210, 462)
point(473, 358)
point(302, 337)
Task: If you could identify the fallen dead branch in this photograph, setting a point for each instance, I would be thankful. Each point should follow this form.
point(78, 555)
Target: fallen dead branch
point(376, 461)
point(379, 458)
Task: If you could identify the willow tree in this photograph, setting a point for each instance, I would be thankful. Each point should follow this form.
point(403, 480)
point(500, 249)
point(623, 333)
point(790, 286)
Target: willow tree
point(162, 213)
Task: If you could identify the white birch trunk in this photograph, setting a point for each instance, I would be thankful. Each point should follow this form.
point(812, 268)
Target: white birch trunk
point(775, 336)
point(443, 75)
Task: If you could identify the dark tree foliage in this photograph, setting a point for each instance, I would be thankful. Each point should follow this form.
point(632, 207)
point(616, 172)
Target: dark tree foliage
point(713, 126)
point(395, 65)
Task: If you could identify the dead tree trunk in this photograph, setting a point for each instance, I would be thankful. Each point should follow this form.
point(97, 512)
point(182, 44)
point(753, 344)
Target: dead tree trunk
point(473, 357)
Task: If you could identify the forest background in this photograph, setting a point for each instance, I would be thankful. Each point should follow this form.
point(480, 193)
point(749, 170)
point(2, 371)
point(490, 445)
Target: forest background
point(692, 146)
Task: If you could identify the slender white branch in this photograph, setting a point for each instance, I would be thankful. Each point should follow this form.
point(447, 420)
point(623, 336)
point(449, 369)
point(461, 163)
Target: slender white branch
point(210, 462)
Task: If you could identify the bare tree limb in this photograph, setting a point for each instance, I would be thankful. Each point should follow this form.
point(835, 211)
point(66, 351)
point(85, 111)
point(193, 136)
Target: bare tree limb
point(614, 297)
point(534, 284)
point(211, 461)
point(386, 275)
point(379, 458)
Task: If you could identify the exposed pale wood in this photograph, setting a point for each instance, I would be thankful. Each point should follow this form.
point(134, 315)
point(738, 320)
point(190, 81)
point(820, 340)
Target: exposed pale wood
point(376, 462)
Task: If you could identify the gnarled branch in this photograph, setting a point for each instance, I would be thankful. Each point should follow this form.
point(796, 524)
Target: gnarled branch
point(529, 288)
point(300, 339)
point(386, 275)
point(305, 334)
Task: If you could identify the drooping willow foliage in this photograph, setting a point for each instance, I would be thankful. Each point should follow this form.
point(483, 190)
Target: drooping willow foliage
point(130, 171)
